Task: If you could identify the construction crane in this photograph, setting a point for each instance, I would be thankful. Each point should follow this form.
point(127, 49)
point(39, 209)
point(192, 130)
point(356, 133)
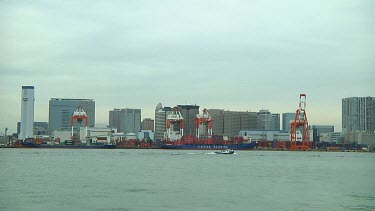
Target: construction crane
point(172, 119)
point(203, 120)
point(300, 123)
point(79, 115)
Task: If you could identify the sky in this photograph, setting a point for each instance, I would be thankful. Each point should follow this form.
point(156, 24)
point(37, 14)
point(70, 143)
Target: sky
point(232, 55)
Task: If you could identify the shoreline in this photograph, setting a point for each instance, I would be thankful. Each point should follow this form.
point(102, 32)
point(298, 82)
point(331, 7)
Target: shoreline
point(262, 149)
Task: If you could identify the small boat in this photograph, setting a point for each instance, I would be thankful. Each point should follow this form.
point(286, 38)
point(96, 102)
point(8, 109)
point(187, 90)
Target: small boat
point(227, 151)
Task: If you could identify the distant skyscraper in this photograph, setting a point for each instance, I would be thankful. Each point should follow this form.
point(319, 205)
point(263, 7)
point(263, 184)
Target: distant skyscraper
point(61, 111)
point(27, 112)
point(287, 119)
point(358, 114)
point(148, 124)
point(189, 113)
point(229, 123)
point(126, 120)
point(264, 119)
point(161, 114)
point(275, 121)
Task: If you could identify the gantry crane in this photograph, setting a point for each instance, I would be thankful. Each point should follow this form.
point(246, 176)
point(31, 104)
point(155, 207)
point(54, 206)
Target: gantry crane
point(300, 123)
point(79, 115)
point(204, 119)
point(172, 119)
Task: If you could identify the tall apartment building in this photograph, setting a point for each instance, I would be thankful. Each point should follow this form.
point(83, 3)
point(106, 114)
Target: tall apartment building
point(61, 111)
point(27, 112)
point(147, 124)
point(358, 114)
point(161, 114)
point(275, 121)
point(264, 119)
point(287, 119)
point(126, 120)
point(189, 113)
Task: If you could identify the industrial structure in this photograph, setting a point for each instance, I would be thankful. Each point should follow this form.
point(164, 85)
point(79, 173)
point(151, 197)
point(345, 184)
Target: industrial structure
point(300, 123)
point(204, 121)
point(80, 115)
point(175, 125)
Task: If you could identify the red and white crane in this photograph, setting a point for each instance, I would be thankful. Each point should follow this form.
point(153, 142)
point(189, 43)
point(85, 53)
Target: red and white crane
point(79, 115)
point(202, 120)
point(300, 123)
point(172, 119)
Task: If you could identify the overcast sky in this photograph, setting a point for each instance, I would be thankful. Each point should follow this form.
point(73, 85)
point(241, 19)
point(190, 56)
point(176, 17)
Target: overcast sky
point(236, 55)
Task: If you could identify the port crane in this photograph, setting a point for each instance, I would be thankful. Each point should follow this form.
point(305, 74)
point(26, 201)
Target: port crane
point(175, 118)
point(204, 120)
point(79, 115)
point(300, 123)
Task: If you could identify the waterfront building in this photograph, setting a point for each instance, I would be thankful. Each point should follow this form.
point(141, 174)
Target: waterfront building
point(189, 113)
point(62, 109)
point(264, 119)
point(27, 112)
point(287, 118)
point(360, 137)
point(275, 121)
point(126, 120)
point(229, 123)
point(147, 124)
point(335, 137)
point(147, 135)
point(40, 128)
point(358, 114)
point(268, 135)
point(161, 114)
point(317, 130)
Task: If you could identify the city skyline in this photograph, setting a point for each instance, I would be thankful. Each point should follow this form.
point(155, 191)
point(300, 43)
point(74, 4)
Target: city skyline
point(241, 56)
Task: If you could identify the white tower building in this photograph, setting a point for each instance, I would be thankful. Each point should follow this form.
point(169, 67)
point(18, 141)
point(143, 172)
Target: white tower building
point(27, 112)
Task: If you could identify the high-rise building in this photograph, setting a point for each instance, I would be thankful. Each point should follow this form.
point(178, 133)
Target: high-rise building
point(161, 114)
point(275, 121)
point(114, 119)
point(27, 112)
point(61, 111)
point(229, 123)
point(264, 119)
point(147, 124)
point(358, 114)
point(287, 119)
point(317, 130)
point(189, 113)
point(126, 120)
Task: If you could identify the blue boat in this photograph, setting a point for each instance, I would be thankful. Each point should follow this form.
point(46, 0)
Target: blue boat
point(29, 144)
point(242, 146)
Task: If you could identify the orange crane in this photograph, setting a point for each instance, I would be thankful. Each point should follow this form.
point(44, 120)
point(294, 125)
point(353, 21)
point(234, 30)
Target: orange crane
point(300, 123)
point(204, 119)
point(79, 115)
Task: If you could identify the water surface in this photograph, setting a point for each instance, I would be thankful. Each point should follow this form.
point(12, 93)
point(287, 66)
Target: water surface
point(123, 179)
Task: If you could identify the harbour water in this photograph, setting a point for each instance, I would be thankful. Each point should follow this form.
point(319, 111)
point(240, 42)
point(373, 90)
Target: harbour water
point(123, 179)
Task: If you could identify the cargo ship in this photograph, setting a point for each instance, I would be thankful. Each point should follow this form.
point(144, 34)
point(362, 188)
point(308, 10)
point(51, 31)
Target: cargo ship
point(30, 144)
point(204, 138)
point(242, 146)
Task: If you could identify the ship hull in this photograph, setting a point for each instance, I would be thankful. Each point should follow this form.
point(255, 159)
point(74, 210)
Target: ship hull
point(34, 145)
point(244, 146)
